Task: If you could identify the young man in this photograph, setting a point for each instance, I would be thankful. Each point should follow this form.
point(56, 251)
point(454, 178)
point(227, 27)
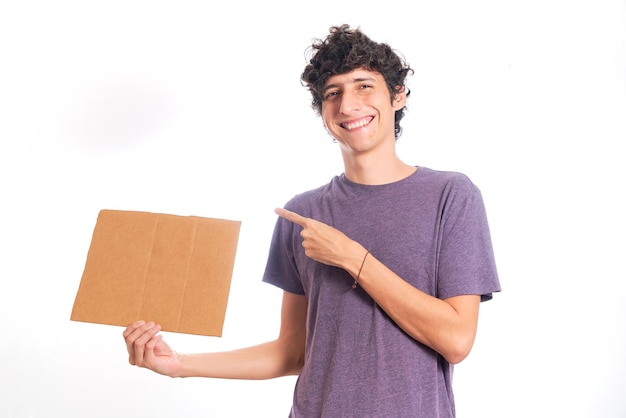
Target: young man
point(382, 270)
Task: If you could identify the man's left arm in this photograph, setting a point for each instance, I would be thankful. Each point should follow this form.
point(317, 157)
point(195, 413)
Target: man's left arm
point(447, 326)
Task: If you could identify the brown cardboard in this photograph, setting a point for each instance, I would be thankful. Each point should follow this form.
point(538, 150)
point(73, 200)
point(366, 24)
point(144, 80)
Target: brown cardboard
point(173, 270)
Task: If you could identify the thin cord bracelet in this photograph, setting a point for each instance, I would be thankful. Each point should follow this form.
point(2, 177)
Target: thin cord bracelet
point(356, 281)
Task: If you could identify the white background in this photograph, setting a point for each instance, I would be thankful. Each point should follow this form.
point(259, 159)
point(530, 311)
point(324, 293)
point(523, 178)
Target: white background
point(195, 108)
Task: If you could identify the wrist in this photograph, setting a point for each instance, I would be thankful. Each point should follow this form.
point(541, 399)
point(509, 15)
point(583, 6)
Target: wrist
point(358, 274)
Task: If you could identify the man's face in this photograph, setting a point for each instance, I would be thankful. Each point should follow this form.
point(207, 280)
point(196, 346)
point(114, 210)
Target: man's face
point(358, 112)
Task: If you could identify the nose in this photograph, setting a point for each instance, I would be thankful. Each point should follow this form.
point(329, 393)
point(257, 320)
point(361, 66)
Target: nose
point(350, 103)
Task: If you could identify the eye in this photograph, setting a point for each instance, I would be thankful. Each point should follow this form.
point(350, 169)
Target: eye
point(331, 94)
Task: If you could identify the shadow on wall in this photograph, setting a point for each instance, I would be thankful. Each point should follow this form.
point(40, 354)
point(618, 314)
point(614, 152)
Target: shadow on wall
point(118, 113)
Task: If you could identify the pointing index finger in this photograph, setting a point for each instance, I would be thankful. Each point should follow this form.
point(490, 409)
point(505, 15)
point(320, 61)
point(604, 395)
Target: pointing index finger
point(291, 216)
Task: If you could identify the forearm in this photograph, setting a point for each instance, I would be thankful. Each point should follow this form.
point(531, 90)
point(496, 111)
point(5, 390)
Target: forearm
point(281, 357)
point(264, 361)
point(447, 326)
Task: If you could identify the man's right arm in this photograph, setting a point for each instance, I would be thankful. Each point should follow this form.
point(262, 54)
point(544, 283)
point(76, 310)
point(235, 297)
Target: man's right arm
point(280, 357)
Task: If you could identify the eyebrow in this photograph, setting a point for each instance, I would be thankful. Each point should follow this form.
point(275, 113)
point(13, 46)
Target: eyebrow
point(351, 81)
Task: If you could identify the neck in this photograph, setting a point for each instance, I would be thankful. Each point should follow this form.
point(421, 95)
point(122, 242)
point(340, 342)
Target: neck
point(374, 170)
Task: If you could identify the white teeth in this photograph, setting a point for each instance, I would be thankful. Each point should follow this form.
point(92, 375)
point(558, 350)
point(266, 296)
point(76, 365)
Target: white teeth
point(357, 124)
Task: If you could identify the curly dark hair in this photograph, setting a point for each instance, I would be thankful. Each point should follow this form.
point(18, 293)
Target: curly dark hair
point(346, 49)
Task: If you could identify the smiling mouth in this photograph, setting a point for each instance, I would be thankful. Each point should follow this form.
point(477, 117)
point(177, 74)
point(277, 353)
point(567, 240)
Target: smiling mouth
point(357, 123)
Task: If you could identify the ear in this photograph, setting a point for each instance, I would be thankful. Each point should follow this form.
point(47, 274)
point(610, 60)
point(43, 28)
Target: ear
point(399, 101)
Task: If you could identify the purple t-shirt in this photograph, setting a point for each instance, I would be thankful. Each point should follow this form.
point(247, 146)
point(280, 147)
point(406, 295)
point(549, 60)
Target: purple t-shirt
point(429, 228)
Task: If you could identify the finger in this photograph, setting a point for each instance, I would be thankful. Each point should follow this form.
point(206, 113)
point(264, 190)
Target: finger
point(131, 328)
point(136, 341)
point(291, 216)
point(150, 346)
point(140, 343)
point(130, 335)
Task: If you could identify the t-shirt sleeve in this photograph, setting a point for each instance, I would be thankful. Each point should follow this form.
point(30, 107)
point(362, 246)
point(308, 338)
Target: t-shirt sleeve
point(466, 259)
point(281, 269)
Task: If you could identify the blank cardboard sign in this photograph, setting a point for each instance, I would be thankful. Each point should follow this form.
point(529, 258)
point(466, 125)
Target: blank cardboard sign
point(173, 270)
